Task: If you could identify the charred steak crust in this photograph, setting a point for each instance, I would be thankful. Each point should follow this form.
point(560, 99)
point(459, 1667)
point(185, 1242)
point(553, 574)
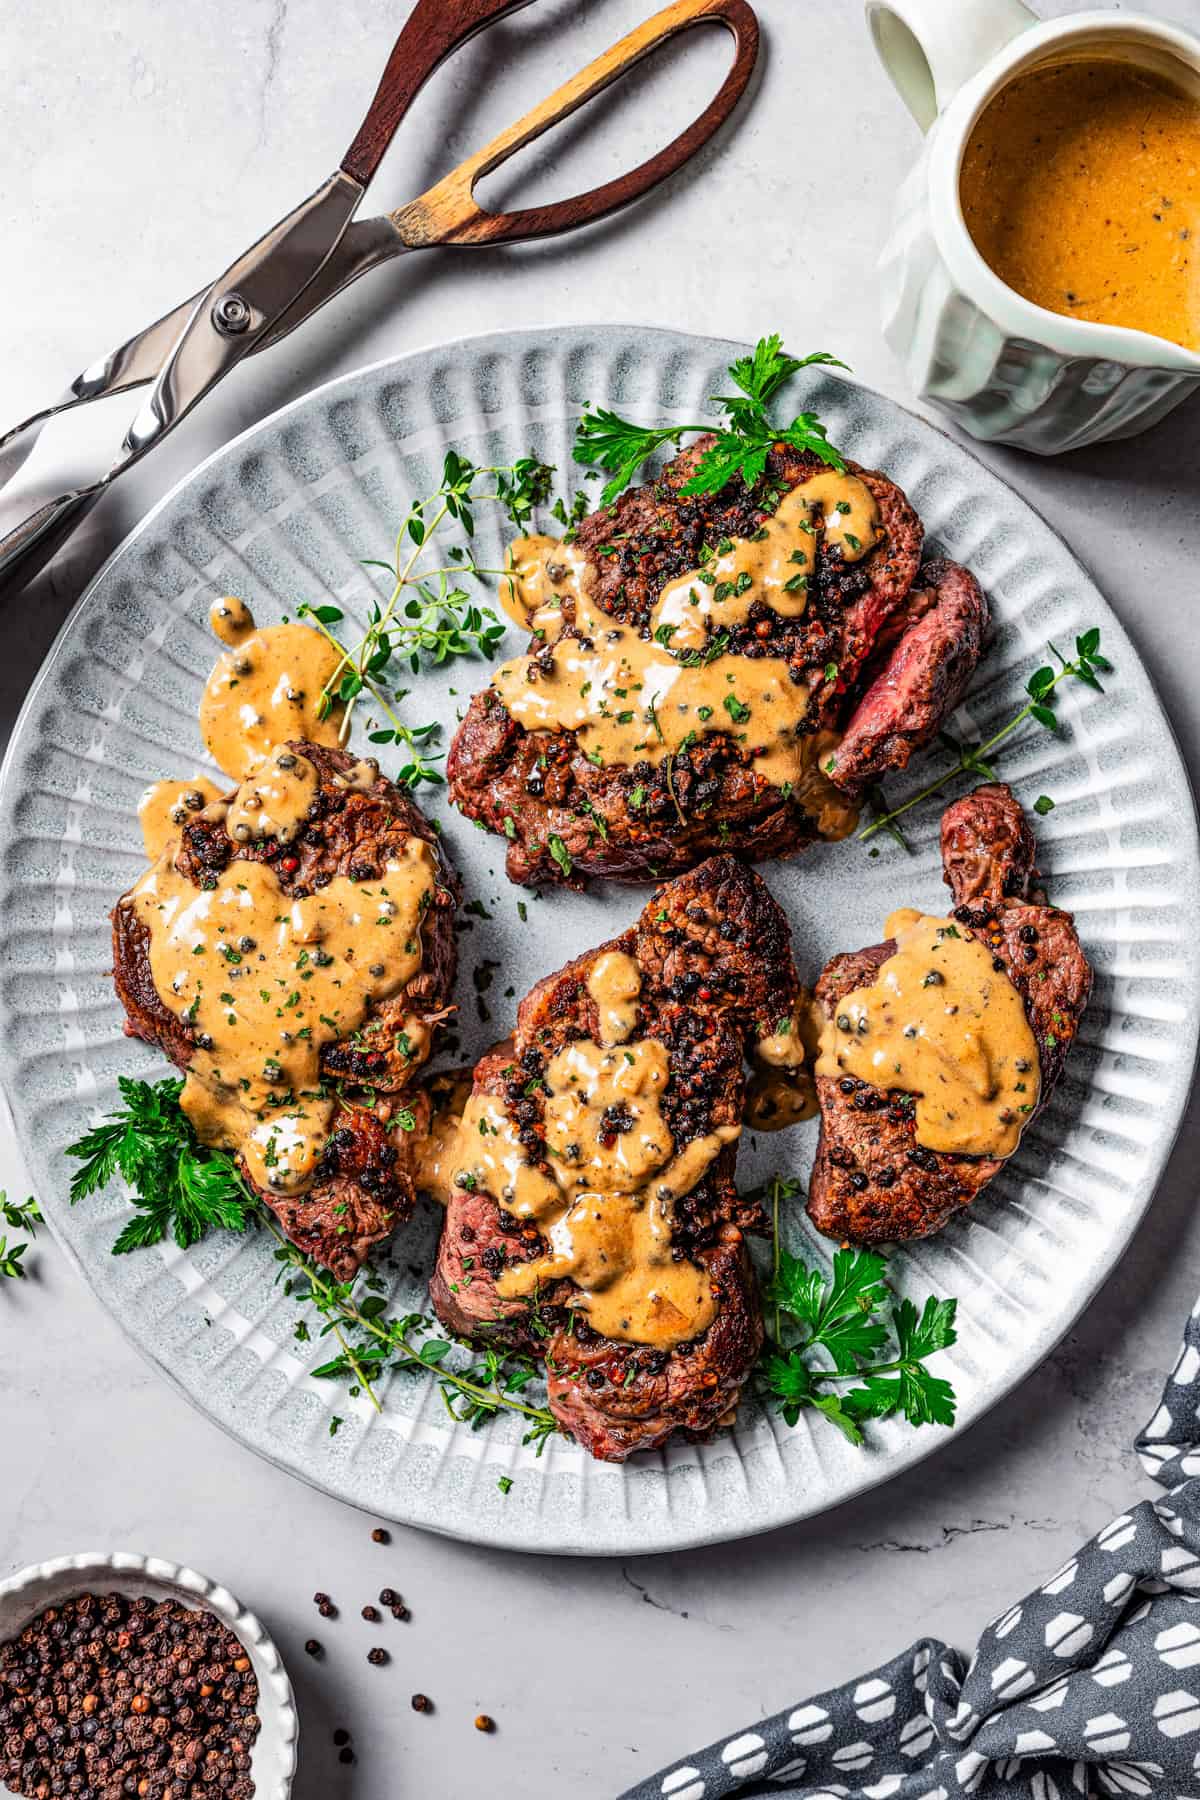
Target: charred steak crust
point(534, 785)
point(715, 956)
point(479, 1240)
point(988, 849)
point(619, 1398)
point(365, 1186)
point(872, 1183)
point(921, 681)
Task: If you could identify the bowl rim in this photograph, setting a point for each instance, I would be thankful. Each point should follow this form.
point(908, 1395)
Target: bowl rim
point(1062, 335)
point(274, 1755)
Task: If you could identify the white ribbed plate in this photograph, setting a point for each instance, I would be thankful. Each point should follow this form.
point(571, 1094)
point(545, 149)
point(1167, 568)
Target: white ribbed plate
point(285, 513)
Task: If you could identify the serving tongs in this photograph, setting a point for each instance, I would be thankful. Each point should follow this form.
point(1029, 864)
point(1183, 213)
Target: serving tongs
point(320, 248)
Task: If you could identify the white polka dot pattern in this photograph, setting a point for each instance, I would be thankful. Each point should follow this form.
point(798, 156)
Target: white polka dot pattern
point(1088, 1686)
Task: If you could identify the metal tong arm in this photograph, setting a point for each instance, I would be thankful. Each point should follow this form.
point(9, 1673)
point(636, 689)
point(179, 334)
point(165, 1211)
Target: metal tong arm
point(433, 32)
point(234, 315)
point(448, 213)
point(242, 305)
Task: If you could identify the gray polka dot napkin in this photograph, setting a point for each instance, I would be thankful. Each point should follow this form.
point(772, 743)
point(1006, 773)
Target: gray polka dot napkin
point(1089, 1686)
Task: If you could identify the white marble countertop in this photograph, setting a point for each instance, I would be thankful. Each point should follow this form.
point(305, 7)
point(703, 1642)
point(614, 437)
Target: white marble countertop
point(146, 142)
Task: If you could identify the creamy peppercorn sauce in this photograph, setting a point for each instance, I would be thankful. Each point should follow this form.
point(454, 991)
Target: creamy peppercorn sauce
point(266, 689)
point(267, 980)
point(165, 806)
point(1080, 185)
point(632, 698)
point(781, 1091)
point(942, 1022)
point(606, 1208)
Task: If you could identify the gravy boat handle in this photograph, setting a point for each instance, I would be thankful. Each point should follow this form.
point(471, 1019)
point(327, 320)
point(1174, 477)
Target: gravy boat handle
point(931, 47)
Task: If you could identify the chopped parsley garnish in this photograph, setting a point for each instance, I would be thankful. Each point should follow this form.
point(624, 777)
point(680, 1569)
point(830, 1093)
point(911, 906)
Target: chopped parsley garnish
point(560, 853)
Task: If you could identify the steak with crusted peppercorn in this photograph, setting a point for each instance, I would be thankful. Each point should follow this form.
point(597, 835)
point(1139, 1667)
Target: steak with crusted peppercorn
point(714, 954)
point(872, 1183)
point(618, 1398)
point(650, 820)
point(364, 1187)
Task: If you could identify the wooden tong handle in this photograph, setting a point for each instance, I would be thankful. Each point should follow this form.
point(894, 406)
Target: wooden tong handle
point(448, 212)
point(435, 29)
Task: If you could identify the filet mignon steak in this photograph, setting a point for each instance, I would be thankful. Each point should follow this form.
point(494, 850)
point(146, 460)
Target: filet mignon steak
point(568, 816)
point(713, 954)
point(364, 1186)
point(872, 1183)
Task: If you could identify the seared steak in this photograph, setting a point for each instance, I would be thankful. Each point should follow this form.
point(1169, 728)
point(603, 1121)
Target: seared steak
point(479, 1239)
point(872, 1183)
point(924, 658)
point(652, 819)
point(364, 1185)
point(615, 1399)
point(713, 953)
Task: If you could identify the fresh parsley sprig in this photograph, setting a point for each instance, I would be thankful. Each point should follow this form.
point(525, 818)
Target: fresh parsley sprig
point(975, 759)
point(849, 1320)
point(20, 1218)
point(605, 440)
point(429, 615)
point(184, 1189)
point(180, 1187)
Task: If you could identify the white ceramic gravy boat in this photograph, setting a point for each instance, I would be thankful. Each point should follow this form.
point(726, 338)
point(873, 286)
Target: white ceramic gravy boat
point(1005, 369)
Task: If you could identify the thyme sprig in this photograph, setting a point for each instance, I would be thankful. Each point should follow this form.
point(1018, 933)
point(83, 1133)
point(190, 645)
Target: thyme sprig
point(975, 759)
point(184, 1189)
point(26, 1218)
point(369, 1341)
point(429, 616)
point(743, 440)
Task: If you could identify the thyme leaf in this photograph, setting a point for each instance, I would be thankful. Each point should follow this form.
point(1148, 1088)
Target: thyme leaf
point(1085, 666)
point(430, 617)
point(183, 1188)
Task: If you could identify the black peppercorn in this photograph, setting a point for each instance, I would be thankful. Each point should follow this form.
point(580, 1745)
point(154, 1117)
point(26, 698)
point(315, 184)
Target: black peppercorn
point(422, 1703)
point(380, 1536)
point(313, 1647)
point(388, 1597)
point(175, 1683)
point(371, 1614)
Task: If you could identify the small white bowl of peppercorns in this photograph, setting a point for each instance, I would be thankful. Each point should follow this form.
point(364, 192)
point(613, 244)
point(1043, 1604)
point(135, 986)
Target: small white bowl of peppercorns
point(127, 1674)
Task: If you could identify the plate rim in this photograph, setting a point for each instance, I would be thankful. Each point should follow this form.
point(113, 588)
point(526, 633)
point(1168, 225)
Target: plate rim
point(572, 1539)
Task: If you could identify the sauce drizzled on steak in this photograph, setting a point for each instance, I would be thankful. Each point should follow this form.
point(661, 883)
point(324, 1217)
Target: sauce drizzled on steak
point(291, 949)
point(603, 1230)
point(874, 1181)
